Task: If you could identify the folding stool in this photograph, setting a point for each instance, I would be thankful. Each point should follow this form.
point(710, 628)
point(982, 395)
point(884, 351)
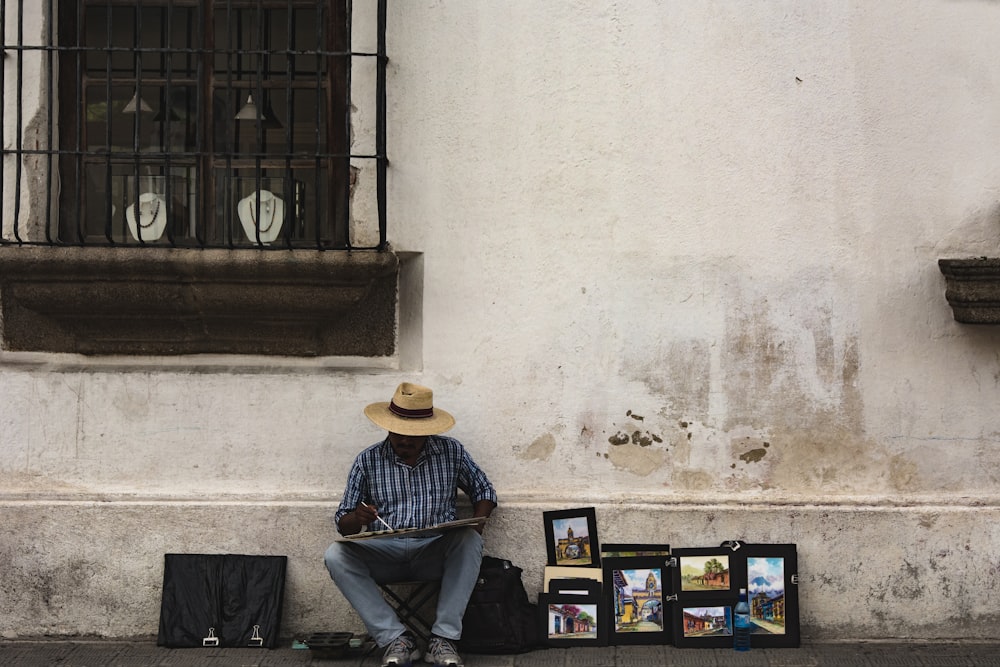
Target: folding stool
point(409, 599)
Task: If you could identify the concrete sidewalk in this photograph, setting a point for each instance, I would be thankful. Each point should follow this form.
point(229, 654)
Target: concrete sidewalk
point(99, 653)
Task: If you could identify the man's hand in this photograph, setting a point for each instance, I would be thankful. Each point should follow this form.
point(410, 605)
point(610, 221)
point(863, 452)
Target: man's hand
point(482, 508)
point(357, 519)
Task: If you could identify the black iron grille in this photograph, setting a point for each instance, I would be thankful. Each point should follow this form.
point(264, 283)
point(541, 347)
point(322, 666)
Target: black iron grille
point(192, 123)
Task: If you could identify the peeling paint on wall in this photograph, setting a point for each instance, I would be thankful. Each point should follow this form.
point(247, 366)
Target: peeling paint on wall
point(784, 364)
point(829, 456)
point(636, 451)
point(903, 473)
point(541, 449)
point(641, 461)
point(692, 480)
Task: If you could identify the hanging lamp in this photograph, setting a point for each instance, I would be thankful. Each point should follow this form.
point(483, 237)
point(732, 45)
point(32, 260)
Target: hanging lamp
point(136, 104)
point(250, 111)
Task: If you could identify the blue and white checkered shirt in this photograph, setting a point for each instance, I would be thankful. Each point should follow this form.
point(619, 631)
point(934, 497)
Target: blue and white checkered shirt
point(416, 497)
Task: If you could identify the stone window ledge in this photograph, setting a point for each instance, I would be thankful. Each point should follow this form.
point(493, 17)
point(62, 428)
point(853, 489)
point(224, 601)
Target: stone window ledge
point(973, 289)
point(178, 301)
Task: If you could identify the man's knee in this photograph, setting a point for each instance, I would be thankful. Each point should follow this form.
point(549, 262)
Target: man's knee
point(334, 558)
point(467, 541)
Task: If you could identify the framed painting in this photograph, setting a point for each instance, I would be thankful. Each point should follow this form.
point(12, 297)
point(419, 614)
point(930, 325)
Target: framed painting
point(636, 596)
point(571, 620)
point(704, 623)
point(707, 583)
point(553, 572)
point(575, 586)
point(571, 538)
point(708, 573)
point(628, 550)
point(772, 588)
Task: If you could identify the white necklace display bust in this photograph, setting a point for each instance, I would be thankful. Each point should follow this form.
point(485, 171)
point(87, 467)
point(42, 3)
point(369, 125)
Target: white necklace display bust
point(267, 220)
point(152, 218)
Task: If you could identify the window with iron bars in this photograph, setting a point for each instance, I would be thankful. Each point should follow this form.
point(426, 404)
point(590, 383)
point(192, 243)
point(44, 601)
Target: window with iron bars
point(191, 123)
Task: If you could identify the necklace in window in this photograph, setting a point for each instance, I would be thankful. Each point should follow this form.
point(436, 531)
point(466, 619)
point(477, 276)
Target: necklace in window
point(143, 212)
point(266, 214)
point(147, 217)
point(261, 213)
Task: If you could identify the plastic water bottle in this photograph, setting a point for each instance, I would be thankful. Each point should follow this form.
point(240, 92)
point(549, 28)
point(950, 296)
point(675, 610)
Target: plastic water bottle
point(741, 623)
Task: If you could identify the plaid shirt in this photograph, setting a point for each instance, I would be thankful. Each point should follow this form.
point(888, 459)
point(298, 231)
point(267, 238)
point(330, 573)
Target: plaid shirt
point(416, 497)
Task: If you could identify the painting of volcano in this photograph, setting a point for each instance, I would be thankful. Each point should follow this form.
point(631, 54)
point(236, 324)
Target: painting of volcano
point(766, 590)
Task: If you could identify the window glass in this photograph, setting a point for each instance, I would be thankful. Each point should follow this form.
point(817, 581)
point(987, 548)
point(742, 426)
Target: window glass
point(214, 122)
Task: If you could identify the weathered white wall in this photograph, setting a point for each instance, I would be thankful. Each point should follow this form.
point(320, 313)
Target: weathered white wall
point(679, 263)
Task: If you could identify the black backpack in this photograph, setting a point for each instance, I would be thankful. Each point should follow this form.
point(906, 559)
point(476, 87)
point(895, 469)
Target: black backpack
point(499, 618)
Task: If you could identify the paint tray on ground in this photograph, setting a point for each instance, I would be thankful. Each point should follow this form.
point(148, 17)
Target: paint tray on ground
point(332, 644)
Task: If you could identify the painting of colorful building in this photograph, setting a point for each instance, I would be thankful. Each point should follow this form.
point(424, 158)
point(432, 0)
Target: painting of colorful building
point(571, 620)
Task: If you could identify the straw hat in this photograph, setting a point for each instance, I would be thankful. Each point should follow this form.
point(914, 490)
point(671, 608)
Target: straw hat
point(411, 412)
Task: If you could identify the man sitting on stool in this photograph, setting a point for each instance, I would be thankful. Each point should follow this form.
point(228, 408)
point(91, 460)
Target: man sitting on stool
point(410, 480)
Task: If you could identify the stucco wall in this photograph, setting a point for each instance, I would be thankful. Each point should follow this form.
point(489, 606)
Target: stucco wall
point(679, 263)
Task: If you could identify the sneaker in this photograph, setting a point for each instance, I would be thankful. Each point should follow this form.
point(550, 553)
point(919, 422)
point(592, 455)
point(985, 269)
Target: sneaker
point(441, 653)
point(401, 652)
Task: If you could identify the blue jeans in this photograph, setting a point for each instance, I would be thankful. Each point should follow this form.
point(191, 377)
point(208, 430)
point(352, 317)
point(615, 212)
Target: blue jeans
point(453, 557)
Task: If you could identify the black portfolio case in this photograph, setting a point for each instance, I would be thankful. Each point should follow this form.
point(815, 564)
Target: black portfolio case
point(221, 600)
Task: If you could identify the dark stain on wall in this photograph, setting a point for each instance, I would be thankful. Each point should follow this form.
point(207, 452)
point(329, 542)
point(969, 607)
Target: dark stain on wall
point(754, 455)
point(641, 438)
point(619, 438)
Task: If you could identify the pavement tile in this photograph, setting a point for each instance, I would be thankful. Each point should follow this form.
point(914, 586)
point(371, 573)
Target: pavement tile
point(945, 655)
point(640, 656)
point(68, 653)
point(475, 660)
point(793, 657)
point(949, 661)
point(729, 658)
point(230, 657)
point(9, 653)
point(689, 657)
point(373, 659)
point(290, 658)
point(97, 654)
point(899, 657)
point(138, 655)
point(31, 659)
point(176, 658)
point(846, 655)
point(596, 656)
point(548, 657)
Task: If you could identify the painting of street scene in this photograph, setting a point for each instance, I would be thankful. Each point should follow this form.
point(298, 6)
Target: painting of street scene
point(704, 573)
point(766, 590)
point(707, 621)
point(572, 621)
point(572, 541)
point(638, 600)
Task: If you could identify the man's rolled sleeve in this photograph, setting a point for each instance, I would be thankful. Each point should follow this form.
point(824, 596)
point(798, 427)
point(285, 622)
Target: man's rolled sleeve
point(352, 494)
point(476, 484)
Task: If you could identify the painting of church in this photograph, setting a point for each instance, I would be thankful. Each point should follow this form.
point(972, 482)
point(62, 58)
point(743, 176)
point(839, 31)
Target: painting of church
point(638, 600)
point(572, 546)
